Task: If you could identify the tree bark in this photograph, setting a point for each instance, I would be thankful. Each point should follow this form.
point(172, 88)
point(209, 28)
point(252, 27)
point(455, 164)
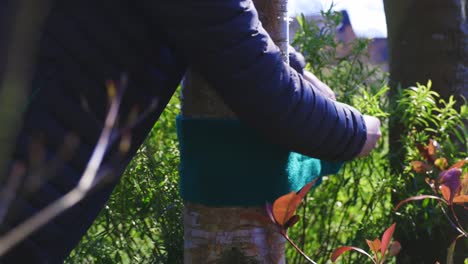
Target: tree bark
point(231, 234)
point(428, 39)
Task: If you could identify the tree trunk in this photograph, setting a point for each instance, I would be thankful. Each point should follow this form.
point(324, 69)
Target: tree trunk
point(428, 39)
point(231, 234)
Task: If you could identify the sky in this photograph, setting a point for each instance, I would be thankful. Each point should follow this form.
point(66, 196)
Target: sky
point(367, 16)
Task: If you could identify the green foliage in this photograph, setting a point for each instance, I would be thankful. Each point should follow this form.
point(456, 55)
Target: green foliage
point(423, 116)
point(142, 222)
point(355, 204)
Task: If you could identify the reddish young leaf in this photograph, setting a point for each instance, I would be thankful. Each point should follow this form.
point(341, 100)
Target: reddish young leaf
point(446, 193)
point(423, 152)
point(460, 199)
point(292, 221)
point(374, 246)
point(432, 148)
point(420, 166)
point(395, 248)
point(339, 251)
point(459, 164)
point(428, 152)
point(386, 237)
point(417, 198)
point(285, 206)
point(304, 190)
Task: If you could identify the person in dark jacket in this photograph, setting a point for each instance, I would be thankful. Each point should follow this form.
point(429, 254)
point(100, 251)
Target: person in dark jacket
point(85, 42)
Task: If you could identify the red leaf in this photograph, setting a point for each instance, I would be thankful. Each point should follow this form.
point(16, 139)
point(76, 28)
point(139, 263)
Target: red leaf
point(446, 193)
point(387, 236)
point(395, 248)
point(374, 246)
point(339, 251)
point(423, 152)
point(431, 149)
point(420, 166)
point(304, 190)
point(459, 164)
point(285, 206)
point(428, 152)
point(460, 199)
point(292, 221)
point(417, 198)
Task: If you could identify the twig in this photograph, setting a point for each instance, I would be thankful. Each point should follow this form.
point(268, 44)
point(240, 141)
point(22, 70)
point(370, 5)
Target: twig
point(297, 248)
point(85, 184)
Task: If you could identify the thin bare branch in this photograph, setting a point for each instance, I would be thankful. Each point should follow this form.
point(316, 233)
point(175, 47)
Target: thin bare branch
point(85, 184)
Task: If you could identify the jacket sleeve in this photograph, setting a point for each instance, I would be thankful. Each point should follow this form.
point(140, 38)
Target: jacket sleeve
point(225, 41)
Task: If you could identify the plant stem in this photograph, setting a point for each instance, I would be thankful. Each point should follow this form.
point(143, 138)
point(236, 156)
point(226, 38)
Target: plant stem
point(296, 247)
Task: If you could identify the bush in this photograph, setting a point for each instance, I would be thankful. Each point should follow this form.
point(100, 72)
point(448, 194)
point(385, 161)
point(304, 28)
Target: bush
point(142, 221)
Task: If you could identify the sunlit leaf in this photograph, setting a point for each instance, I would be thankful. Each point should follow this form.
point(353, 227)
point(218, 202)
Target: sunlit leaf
point(446, 193)
point(386, 237)
point(432, 148)
point(339, 251)
point(304, 190)
point(374, 246)
point(395, 248)
point(459, 164)
point(285, 206)
point(423, 152)
point(441, 163)
point(428, 152)
point(417, 198)
point(460, 199)
point(420, 166)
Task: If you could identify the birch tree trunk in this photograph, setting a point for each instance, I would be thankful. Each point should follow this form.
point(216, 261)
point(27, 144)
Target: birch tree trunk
point(231, 234)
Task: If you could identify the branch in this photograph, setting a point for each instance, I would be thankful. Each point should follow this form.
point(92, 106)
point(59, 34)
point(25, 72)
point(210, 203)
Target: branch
point(86, 183)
